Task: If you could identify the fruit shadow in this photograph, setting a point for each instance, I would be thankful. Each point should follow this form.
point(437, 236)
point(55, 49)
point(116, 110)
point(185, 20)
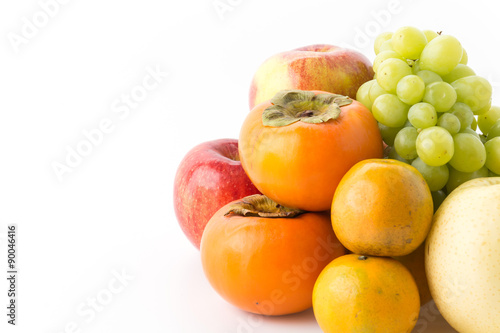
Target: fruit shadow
point(306, 317)
point(301, 319)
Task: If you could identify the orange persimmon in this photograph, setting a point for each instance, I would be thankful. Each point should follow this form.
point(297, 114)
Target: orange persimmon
point(264, 258)
point(296, 147)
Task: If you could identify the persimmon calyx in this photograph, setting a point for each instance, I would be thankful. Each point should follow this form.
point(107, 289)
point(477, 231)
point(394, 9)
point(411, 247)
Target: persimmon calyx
point(291, 106)
point(261, 206)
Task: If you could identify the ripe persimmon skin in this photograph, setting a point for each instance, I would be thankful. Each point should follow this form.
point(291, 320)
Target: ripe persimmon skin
point(267, 265)
point(301, 164)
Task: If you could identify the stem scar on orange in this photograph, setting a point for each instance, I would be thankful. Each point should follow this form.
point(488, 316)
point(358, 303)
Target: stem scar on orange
point(264, 258)
point(365, 294)
point(296, 147)
point(382, 207)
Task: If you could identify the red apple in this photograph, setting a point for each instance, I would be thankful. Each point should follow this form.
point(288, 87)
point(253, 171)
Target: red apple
point(315, 67)
point(209, 177)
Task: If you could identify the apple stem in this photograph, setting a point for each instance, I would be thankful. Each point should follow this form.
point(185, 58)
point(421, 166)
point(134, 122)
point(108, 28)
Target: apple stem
point(261, 206)
point(230, 153)
point(290, 106)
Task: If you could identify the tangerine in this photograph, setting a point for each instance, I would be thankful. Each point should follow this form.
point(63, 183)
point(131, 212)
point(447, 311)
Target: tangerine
point(382, 207)
point(365, 294)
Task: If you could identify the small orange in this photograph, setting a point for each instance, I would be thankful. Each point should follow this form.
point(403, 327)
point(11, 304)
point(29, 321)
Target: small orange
point(365, 294)
point(382, 207)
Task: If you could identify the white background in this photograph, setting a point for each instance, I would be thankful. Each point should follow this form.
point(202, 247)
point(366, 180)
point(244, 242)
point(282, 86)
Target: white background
point(113, 213)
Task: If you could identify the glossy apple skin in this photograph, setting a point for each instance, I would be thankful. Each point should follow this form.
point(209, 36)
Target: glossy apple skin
point(315, 67)
point(209, 177)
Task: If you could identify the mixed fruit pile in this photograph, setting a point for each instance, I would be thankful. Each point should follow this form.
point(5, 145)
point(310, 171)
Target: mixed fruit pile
point(330, 196)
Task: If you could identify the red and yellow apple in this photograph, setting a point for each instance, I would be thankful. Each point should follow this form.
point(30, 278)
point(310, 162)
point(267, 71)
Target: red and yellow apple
point(209, 177)
point(316, 67)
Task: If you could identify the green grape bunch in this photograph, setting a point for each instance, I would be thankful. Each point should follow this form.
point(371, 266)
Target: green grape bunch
point(429, 104)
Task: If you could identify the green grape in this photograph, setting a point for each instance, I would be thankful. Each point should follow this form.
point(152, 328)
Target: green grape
point(475, 91)
point(458, 72)
point(375, 91)
point(409, 42)
point(439, 114)
point(381, 38)
point(393, 155)
point(449, 122)
point(469, 155)
point(493, 155)
point(386, 46)
point(422, 115)
point(441, 95)
point(429, 76)
point(470, 131)
point(430, 34)
point(410, 89)
point(494, 130)
point(390, 72)
point(474, 124)
point(388, 133)
point(463, 112)
point(486, 120)
point(465, 57)
point(363, 94)
point(438, 198)
point(441, 54)
point(435, 176)
point(435, 146)
point(415, 67)
point(390, 111)
point(457, 178)
point(405, 143)
point(382, 56)
point(484, 109)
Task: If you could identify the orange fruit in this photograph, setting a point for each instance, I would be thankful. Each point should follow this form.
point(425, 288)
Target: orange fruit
point(415, 263)
point(265, 258)
point(295, 148)
point(382, 207)
point(365, 294)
